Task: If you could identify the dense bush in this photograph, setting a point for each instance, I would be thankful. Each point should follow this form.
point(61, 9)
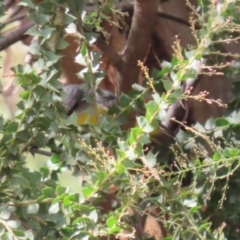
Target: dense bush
point(191, 178)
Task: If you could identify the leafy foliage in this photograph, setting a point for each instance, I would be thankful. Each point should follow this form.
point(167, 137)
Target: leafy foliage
point(105, 158)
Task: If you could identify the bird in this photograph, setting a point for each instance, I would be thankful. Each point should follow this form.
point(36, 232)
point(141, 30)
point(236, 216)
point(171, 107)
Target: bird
point(78, 99)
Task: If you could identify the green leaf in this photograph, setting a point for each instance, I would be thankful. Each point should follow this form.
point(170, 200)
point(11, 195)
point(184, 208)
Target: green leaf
point(13, 223)
point(151, 159)
point(80, 59)
point(61, 190)
point(174, 61)
point(114, 229)
point(91, 37)
point(234, 152)
point(82, 157)
point(54, 208)
point(194, 210)
point(167, 85)
point(83, 50)
point(18, 233)
point(73, 197)
point(82, 220)
point(48, 192)
point(111, 222)
point(19, 179)
point(50, 113)
point(52, 166)
point(41, 19)
point(55, 159)
point(144, 124)
point(138, 87)
point(45, 172)
point(25, 94)
point(68, 19)
point(42, 123)
point(47, 33)
point(114, 110)
point(190, 54)
point(221, 122)
point(12, 127)
point(67, 201)
point(34, 31)
point(88, 191)
point(33, 208)
point(61, 44)
point(5, 214)
point(6, 236)
point(11, 209)
point(99, 176)
point(217, 156)
point(76, 5)
point(38, 92)
point(120, 169)
point(151, 108)
point(197, 162)
point(204, 226)
point(162, 115)
point(124, 100)
point(190, 202)
point(71, 28)
point(81, 198)
point(60, 198)
point(227, 153)
point(166, 64)
point(94, 215)
point(51, 58)
point(135, 133)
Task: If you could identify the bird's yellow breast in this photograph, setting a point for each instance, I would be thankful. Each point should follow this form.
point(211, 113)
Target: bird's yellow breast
point(90, 118)
point(85, 118)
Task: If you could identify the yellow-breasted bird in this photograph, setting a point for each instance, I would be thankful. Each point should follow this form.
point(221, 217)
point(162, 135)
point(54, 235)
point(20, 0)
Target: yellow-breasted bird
point(76, 100)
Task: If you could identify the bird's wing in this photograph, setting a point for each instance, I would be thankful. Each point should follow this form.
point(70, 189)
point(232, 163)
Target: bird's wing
point(75, 98)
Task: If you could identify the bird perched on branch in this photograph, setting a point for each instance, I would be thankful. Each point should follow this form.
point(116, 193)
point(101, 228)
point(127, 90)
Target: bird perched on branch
point(79, 99)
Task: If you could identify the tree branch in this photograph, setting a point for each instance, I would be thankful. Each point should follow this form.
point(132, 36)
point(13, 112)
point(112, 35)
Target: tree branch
point(18, 14)
point(40, 152)
point(178, 112)
point(8, 3)
point(15, 36)
point(110, 52)
point(143, 24)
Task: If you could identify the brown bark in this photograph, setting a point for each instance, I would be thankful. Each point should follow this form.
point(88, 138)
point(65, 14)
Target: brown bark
point(8, 3)
point(139, 40)
point(15, 36)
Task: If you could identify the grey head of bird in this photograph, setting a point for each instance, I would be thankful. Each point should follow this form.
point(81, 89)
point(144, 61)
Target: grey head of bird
point(79, 98)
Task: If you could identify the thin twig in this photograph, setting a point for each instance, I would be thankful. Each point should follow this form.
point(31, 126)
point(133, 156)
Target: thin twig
point(40, 152)
point(4, 223)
